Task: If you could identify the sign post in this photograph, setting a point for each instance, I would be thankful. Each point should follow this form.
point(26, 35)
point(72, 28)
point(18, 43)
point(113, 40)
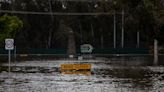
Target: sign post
point(9, 45)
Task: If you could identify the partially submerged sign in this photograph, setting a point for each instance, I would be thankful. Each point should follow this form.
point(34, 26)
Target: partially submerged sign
point(86, 48)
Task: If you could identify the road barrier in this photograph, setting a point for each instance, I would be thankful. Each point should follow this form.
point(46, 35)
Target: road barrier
point(76, 69)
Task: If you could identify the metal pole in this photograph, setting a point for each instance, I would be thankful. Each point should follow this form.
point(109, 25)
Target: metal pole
point(102, 41)
point(9, 59)
point(122, 35)
point(51, 25)
point(114, 33)
point(81, 33)
point(138, 39)
point(93, 37)
point(15, 53)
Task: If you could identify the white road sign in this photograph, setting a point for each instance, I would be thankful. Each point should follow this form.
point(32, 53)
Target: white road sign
point(9, 44)
point(86, 48)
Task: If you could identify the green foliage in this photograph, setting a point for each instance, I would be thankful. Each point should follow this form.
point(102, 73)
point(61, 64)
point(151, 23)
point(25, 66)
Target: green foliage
point(9, 26)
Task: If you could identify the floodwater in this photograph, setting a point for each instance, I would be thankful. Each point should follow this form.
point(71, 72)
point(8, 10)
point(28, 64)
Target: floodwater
point(45, 76)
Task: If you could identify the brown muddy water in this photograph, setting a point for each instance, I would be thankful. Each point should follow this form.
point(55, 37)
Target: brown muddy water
point(45, 76)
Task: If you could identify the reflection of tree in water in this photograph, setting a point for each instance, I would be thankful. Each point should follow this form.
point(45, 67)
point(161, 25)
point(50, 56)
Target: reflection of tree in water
point(140, 78)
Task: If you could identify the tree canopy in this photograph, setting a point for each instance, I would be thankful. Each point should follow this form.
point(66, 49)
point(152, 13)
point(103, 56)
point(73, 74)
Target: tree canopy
point(9, 26)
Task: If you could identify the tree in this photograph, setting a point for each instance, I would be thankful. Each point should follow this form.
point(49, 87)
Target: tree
point(9, 26)
point(156, 9)
point(47, 31)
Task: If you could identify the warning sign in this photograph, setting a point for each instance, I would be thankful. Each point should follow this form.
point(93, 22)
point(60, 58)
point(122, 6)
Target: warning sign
point(86, 48)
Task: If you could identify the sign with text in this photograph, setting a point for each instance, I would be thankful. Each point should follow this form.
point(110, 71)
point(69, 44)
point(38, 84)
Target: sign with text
point(9, 44)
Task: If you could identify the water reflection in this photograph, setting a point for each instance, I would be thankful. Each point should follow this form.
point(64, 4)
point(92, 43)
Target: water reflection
point(138, 77)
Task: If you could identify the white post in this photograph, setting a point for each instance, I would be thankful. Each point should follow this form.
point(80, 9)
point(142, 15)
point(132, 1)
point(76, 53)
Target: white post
point(114, 33)
point(155, 52)
point(122, 35)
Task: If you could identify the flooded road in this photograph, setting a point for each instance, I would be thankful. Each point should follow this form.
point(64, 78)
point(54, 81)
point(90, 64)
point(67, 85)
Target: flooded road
point(45, 76)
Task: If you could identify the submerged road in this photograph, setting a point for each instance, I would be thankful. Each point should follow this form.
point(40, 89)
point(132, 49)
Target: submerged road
point(45, 76)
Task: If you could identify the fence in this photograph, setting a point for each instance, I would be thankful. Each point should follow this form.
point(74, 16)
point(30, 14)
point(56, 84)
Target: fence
point(62, 51)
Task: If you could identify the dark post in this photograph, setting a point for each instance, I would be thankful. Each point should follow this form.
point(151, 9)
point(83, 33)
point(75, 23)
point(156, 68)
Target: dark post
point(155, 52)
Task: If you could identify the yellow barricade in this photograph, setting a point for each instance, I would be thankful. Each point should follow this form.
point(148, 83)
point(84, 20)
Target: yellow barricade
point(76, 69)
point(75, 66)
